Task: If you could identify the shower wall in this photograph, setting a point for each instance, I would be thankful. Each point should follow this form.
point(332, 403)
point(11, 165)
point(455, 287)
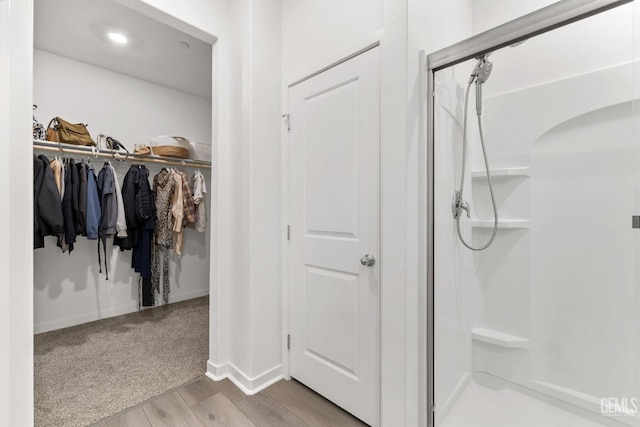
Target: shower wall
point(560, 287)
point(550, 308)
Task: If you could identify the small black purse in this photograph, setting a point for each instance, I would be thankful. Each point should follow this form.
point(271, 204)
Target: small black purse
point(39, 132)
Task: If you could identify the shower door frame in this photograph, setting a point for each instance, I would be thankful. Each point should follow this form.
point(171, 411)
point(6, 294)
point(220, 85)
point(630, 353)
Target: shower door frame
point(554, 16)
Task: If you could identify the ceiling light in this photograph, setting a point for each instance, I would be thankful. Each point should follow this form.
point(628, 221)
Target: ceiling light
point(117, 38)
point(183, 45)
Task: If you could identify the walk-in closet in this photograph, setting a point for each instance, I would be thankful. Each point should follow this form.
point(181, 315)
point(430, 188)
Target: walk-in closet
point(108, 333)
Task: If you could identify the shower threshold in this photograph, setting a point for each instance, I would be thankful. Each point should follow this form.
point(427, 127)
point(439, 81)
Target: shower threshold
point(489, 401)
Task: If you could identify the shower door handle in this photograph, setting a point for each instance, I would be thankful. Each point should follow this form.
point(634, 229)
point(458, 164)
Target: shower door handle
point(368, 260)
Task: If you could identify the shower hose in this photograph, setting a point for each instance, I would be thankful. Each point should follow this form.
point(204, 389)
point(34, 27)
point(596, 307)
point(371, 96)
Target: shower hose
point(462, 178)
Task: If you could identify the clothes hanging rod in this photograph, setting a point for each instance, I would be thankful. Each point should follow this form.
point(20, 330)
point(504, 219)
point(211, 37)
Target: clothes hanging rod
point(139, 158)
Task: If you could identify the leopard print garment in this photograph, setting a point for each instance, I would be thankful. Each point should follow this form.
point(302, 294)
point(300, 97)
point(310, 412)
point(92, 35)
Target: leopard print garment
point(163, 191)
point(163, 184)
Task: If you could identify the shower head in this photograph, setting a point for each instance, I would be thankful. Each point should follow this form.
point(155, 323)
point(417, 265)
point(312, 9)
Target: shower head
point(481, 74)
point(484, 71)
point(481, 71)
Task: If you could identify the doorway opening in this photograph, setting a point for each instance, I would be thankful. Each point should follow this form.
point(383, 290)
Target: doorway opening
point(159, 82)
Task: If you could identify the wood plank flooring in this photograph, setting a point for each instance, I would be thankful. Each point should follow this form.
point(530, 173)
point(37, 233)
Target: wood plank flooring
point(204, 403)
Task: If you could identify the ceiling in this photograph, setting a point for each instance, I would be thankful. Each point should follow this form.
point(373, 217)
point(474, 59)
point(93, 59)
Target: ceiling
point(78, 29)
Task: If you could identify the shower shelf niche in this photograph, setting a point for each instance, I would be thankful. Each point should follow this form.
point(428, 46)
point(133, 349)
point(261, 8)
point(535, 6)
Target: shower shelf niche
point(501, 339)
point(502, 223)
point(515, 172)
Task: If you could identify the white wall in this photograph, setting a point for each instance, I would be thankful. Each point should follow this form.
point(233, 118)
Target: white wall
point(16, 330)
point(266, 277)
point(491, 13)
point(252, 355)
point(598, 42)
point(315, 33)
point(129, 109)
point(5, 109)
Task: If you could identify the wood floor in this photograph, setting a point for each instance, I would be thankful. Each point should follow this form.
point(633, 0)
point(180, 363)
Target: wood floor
point(204, 403)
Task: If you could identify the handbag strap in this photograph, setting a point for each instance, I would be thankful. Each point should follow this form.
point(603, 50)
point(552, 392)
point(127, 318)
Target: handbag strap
point(55, 119)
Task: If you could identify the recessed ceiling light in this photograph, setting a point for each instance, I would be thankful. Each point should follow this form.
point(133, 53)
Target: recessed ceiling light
point(183, 45)
point(117, 38)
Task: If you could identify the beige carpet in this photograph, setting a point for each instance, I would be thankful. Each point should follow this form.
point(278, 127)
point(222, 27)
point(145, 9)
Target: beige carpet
point(88, 372)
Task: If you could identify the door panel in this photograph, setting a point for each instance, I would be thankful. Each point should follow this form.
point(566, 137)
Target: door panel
point(334, 216)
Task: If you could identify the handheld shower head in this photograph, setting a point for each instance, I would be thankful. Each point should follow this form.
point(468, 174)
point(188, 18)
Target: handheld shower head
point(484, 71)
point(481, 74)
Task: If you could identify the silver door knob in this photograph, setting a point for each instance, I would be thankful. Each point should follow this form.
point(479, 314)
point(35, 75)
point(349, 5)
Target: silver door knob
point(369, 260)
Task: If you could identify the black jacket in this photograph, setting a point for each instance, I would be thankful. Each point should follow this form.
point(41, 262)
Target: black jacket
point(70, 211)
point(82, 198)
point(136, 197)
point(129, 202)
point(47, 209)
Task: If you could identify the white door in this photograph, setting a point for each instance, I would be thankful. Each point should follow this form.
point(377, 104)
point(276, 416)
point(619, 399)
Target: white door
point(334, 215)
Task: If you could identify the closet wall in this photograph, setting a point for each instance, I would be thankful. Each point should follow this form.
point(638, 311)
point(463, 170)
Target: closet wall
point(68, 289)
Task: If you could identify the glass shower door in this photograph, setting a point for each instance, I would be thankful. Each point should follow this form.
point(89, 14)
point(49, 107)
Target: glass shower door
point(541, 327)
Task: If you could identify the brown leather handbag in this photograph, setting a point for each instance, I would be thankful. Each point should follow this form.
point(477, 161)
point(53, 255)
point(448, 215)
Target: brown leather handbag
point(60, 130)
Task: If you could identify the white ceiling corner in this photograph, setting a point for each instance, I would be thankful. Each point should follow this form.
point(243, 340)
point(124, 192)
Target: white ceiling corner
point(77, 29)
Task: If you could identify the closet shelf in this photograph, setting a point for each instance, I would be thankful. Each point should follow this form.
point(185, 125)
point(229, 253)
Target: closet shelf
point(139, 158)
point(522, 171)
point(502, 223)
point(501, 339)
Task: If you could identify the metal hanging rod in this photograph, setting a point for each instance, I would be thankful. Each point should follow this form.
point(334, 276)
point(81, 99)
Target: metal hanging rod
point(139, 158)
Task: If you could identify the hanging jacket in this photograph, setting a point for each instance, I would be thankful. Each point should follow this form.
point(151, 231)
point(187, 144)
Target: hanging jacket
point(141, 257)
point(109, 208)
point(93, 205)
point(82, 198)
point(58, 175)
point(47, 210)
point(70, 207)
point(129, 188)
point(144, 196)
point(188, 205)
point(199, 187)
point(109, 211)
point(177, 212)
point(121, 222)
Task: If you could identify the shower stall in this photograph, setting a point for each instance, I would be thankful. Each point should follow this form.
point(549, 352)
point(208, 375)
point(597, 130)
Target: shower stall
point(533, 217)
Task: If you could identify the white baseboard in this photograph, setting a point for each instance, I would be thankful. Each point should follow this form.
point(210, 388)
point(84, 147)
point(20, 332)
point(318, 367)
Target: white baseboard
point(66, 322)
point(248, 385)
point(84, 318)
point(187, 296)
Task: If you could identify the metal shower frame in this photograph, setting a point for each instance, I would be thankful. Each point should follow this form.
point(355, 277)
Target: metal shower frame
point(554, 16)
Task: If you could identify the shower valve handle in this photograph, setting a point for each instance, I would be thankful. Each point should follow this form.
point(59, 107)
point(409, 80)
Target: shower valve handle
point(465, 207)
point(458, 204)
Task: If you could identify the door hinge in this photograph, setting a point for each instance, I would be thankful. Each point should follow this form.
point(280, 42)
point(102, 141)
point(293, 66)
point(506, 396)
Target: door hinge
point(288, 232)
point(287, 120)
point(288, 342)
